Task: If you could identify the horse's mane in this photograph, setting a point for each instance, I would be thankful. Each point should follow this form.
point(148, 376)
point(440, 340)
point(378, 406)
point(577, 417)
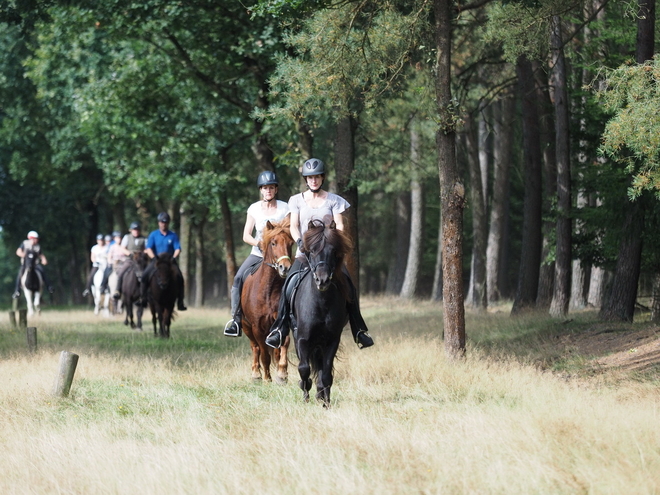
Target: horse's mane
point(282, 227)
point(318, 234)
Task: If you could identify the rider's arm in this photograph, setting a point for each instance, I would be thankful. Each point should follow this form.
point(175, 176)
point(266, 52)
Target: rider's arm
point(176, 253)
point(20, 253)
point(44, 261)
point(295, 226)
point(248, 238)
point(339, 220)
point(150, 253)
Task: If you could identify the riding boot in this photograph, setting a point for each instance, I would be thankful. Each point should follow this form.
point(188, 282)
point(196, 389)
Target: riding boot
point(233, 326)
point(49, 287)
point(358, 326)
point(179, 302)
point(17, 288)
point(280, 328)
point(120, 280)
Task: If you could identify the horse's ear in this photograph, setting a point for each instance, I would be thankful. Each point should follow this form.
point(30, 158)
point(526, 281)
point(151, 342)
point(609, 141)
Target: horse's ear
point(333, 225)
point(311, 225)
point(269, 226)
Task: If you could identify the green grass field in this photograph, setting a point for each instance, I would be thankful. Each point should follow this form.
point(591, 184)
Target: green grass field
point(517, 415)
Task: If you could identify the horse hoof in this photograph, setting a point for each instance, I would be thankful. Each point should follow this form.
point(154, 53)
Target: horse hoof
point(281, 380)
point(256, 379)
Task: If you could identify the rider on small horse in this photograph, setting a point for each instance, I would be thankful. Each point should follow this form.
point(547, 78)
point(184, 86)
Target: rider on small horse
point(134, 242)
point(31, 244)
point(160, 241)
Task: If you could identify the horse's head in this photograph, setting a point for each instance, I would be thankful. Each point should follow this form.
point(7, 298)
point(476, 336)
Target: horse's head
point(31, 258)
point(326, 248)
point(164, 270)
point(140, 262)
point(276, 246)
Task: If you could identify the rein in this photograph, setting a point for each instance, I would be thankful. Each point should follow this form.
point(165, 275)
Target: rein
point(274, 264)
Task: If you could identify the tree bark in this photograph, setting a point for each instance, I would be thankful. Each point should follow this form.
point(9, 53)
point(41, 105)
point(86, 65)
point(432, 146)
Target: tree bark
point(548, 143)
point(502, 158)
point(562, 290)
point(184, 239)
point(452, 191)
point(397, 267)
point(344, 165)
point(230, 255)
point(200, 260)
point(479, 223)
point(530, 257)
point(436, 292)
point(416, 225)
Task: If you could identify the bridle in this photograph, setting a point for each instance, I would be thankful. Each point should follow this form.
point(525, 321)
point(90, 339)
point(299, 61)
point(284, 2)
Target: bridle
point(275, 263)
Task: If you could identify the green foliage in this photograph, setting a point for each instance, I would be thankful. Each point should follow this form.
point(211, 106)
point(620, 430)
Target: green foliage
point(632, 136)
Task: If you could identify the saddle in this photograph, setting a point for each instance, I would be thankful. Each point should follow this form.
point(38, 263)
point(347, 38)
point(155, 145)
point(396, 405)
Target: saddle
point(290, 291)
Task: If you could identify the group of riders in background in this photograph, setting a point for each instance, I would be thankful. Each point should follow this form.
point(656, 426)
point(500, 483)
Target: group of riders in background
point(114, 253)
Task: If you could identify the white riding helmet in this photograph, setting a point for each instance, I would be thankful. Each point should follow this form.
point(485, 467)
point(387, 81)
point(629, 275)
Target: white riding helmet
point(33, 235)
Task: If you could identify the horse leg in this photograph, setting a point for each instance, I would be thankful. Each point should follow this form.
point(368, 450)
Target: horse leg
point(304, 369)
point(28, 300)
point(266, 358)
point(256, 370)
point(282, 361)
point(37, 302)
point(140, 311)
point(325, 378)
point(154, 315)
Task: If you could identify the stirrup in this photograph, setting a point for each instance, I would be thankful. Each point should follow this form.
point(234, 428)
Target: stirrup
point(274, 338)
point(232, 329)
point(363, 339)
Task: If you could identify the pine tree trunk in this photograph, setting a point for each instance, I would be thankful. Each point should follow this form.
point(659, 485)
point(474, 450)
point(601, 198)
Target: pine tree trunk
point(530, 258)
point(502, 150)
point(397, 268)
point(416, 224)
point(199, 260)
point(597, 282)
point(344, 165)
point(452, 191)
point(548, 143)
point(230, 255)
point(184, 239)
point(477, 293)
point(562, 293)
point(436, 293)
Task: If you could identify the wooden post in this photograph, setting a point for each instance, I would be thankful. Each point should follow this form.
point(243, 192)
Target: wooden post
point(68, 362)
point(32, 339)
point(12, 319)
point(22, 318)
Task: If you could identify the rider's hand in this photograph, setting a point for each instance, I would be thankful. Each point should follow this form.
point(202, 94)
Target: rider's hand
point(300, 245)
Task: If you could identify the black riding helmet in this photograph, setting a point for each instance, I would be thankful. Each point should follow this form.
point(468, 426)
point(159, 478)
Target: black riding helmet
point(313, 166)
point(266, 178)
point(134, 226)
point(164, 217)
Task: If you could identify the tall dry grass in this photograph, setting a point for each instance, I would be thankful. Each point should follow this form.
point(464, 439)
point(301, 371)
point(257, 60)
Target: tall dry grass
point(153, 417)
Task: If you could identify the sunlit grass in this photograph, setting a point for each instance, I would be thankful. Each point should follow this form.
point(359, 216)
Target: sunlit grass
point(182, 416)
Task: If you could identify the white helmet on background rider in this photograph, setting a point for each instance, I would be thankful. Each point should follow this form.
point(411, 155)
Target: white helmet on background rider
point(33, 235)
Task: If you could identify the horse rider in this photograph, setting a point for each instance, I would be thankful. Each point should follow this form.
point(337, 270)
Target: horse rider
point(31, 244)
point(118, 254)
point(267, 209)
point(109, 242)
point(316, 204)
point(96, 254)
point(133, 242)
point(160, 241)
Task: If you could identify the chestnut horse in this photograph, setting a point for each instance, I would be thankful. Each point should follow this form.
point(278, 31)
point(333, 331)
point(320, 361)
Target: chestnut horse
point(320, 307)
point(260, 298)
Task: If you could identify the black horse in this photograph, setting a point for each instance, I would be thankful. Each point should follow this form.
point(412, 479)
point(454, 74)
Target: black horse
point(320, 307)
point(130, 287)
point(163, 292)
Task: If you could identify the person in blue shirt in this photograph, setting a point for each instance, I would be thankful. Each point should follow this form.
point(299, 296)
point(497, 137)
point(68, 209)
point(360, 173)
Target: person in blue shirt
point(160, 241)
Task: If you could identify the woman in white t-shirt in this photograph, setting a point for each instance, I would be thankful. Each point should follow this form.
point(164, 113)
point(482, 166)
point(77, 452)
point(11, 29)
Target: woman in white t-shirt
point(316, 204)
point(268, 209)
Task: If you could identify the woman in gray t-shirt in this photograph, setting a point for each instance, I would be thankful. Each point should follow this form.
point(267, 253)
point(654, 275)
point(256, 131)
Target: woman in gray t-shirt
point(316, 204)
